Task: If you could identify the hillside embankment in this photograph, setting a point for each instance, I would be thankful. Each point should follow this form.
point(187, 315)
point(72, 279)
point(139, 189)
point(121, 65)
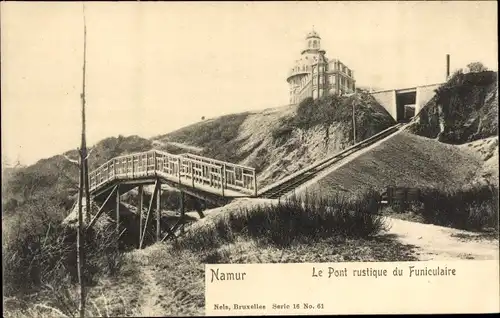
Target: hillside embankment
point(280, 141)
point(275, 141)
point(403, 160)
point(463, 110)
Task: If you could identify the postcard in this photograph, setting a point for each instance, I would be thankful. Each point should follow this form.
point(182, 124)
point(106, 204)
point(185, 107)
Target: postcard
point(249, 158)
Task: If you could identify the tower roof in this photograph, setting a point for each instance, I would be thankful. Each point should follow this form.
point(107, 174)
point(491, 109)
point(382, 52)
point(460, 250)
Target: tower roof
point(312, 34)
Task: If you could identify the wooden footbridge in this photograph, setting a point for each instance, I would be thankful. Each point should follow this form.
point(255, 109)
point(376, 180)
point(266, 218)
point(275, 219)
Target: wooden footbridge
point(211, 180)
point(207, 179)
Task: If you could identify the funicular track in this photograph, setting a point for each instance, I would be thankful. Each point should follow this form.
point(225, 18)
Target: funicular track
point(288, 184)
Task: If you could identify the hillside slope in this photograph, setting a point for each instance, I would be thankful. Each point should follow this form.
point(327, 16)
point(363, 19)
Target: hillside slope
point(485, 150)
point(403, 160)
point(464, 109)
point(276, 142)
point(280, 141)
point(464, 112)
point(56, 178)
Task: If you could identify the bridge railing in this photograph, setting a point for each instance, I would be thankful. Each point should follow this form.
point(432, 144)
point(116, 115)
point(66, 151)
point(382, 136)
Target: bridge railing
point(233, 176)
point(200, 170)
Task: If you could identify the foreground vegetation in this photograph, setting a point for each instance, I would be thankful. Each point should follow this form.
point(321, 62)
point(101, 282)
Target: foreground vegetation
point(168, 278)
point(41, 261)
point(472, 207)
point(294, 220)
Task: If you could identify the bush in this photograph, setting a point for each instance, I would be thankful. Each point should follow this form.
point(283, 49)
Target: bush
point(293, 220)
point(476, 67)
point(371, 117)
point(38, 251)
point(470, 208)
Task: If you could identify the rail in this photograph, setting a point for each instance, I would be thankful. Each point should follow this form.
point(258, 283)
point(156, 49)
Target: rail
point(272, 188)
point(184, 168)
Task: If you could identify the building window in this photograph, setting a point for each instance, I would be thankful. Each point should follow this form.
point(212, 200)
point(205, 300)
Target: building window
point(315, 44)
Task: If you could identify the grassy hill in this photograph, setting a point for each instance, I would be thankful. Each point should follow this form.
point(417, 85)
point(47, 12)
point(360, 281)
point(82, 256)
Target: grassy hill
point(403, 160)
point(56, 178)
point(280, 141)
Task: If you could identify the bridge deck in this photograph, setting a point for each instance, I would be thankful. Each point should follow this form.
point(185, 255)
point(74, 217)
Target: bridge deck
point(151, 177)
point(189, 171)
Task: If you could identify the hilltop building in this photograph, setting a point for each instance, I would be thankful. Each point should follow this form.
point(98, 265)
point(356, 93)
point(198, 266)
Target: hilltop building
point(314, 75)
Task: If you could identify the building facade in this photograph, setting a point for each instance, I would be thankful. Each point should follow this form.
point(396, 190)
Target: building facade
point(314, 75)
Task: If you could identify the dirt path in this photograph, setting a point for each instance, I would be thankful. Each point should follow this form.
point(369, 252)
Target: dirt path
point(151, 296)
point(434, 242)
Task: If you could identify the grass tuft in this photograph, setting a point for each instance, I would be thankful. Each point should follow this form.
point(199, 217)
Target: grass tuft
point(293, 220)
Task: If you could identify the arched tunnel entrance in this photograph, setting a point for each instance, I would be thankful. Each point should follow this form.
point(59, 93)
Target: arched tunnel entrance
point(405, 105)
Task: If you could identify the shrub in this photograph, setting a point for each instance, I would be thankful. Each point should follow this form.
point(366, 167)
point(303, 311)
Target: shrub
point(476, 67)
point(471, 208)
point(295, 219)
point(38, 250)
point(371, 117)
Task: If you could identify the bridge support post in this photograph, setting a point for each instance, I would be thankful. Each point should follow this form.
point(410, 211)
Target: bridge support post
point(254, 183)
point(158, 212)
point(101, 209)
point(139, 209)
point(199, 209)
point(223, 178)
point(149, 212)
point(192, 173)
point(118, 210)
point(181, 207)
point(179, 162)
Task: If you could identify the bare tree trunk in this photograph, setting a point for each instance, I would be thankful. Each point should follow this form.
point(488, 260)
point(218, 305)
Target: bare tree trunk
point(353, 123)
point(87, 190)
point(84, 138)
point(83, 182)
point(80, 240)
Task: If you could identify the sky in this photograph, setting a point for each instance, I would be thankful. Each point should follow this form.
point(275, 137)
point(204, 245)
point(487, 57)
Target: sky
point(158, 66)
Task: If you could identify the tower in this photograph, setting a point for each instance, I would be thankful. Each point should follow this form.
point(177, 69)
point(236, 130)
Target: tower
point(313, 75)
point(313, 43)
